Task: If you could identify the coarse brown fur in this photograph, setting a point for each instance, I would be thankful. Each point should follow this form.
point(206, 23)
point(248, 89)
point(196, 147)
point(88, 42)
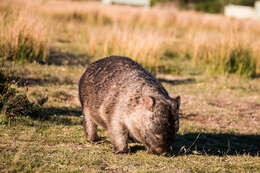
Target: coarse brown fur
point(119, 95)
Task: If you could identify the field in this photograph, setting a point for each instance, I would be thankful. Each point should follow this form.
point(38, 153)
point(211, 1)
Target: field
point(211, 61)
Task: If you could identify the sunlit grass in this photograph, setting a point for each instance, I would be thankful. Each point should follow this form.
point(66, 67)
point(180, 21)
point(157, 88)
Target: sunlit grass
point(146, 34)
point(23, 36)
point(208, 42)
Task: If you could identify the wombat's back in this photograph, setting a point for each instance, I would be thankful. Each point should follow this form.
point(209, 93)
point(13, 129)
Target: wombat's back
point(109, 78)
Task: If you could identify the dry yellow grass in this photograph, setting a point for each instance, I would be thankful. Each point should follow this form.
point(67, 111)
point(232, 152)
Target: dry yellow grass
point(23, 34)
point(146, 34)
point(145, 47)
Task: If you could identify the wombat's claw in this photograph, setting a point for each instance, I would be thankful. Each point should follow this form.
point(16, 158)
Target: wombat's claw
point(100, 141)
point(122, 152)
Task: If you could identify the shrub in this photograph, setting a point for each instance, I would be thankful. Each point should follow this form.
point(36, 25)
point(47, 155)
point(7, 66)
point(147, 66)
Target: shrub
point(15, 104)
point(210, 6)
point(5, 90)
point(213, 6)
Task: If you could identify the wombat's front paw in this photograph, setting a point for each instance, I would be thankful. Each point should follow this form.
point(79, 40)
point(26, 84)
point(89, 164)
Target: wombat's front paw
point(123, 151)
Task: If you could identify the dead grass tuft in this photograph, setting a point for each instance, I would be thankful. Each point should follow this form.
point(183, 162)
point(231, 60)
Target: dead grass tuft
point(23, 35)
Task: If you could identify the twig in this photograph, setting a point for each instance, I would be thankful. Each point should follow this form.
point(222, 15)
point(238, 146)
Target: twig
point(186, 150)
point(194, 142)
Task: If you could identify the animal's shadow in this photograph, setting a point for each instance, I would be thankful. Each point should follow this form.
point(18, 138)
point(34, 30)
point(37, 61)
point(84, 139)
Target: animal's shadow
point(212, 144)
point(217, 144)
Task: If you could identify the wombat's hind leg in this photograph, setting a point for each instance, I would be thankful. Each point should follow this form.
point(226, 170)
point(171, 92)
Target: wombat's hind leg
point(119, 138)
point(90, 128)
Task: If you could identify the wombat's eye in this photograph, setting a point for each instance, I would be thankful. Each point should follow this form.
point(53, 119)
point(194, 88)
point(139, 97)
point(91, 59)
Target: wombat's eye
point(176, 109)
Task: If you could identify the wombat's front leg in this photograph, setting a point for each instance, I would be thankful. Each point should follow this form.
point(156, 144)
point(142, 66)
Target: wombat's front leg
point(119, 137)
point(90, 128)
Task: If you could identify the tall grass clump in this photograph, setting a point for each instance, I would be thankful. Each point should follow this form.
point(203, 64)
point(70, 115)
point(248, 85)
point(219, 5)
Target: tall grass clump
point(23, 37)
point(227, 52)
point(242, 62)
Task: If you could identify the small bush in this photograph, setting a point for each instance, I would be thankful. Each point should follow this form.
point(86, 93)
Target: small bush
point(210, 6)
point(14, 104)
point(17, 106)
point(5, 90)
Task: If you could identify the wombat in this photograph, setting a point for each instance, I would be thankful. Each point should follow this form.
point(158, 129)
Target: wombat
point(119, 95)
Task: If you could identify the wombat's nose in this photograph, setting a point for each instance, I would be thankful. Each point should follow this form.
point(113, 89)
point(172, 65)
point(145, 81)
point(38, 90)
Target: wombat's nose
point(161, 151)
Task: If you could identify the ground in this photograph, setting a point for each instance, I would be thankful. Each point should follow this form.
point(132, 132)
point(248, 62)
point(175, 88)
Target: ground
point(219, 127)
point(202, 54)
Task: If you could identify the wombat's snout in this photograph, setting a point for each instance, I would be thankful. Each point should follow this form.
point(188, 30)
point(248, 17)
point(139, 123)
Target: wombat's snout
point(162, 150)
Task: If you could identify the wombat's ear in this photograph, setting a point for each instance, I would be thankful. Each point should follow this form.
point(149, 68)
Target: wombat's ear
point(149, 102)
point(178, 101)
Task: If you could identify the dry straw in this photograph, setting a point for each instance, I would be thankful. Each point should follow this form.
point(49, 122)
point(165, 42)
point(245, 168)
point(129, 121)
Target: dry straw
point(212, 41)
point(23, 34)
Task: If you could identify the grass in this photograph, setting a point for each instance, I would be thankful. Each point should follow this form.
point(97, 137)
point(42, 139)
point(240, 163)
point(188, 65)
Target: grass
point(23, 36)
point(207, 43)
point(219, 122)
point(219, 128)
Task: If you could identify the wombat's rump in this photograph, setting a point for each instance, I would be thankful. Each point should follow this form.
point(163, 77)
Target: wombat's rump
point(119, 95)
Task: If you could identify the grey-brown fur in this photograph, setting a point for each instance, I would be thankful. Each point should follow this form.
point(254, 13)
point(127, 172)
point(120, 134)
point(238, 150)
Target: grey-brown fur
point(119, 95)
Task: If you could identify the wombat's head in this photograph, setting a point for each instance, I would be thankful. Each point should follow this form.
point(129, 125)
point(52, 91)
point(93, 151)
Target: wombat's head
point(161, 123)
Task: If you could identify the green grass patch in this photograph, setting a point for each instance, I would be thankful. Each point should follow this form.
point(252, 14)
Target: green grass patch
point(241, 62)
point(209, 6)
